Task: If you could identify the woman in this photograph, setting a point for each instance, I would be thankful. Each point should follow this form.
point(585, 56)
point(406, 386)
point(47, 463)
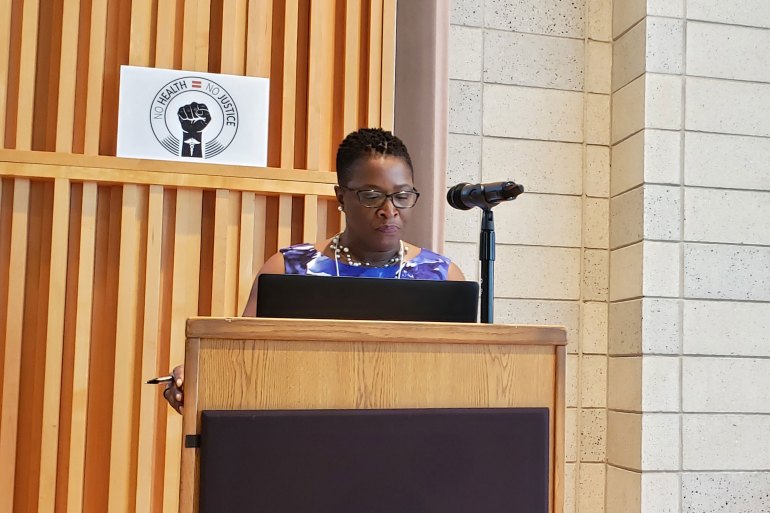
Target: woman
point(376, 192)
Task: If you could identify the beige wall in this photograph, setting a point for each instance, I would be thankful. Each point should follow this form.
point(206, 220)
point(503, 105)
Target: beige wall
point(529, 100)
point(663, 263)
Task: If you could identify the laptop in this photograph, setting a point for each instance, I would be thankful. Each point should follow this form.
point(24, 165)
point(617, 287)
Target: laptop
point(324, 297)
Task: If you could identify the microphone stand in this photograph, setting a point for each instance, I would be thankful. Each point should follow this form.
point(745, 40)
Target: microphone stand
point(487, 259)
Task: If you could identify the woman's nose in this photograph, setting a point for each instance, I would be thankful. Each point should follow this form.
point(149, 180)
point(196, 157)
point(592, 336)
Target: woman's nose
point(388, 209)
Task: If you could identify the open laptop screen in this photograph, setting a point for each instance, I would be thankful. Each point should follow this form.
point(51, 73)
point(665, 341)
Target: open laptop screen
point(322, 297)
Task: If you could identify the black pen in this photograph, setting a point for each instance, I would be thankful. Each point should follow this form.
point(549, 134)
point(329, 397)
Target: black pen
point(162, 379)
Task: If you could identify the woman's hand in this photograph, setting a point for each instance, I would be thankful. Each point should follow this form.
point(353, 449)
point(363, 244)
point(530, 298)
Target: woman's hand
point(174, 392)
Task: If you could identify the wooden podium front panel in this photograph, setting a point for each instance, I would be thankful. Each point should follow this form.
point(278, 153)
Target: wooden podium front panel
point(302, 364)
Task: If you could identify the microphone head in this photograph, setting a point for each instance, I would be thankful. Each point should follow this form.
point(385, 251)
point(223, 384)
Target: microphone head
point(454, 197)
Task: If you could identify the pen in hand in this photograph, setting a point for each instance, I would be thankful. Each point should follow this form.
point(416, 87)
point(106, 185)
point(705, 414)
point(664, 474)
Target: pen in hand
point(159, 380)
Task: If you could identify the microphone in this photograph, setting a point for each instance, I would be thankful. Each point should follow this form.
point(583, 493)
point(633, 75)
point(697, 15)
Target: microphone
point(465, 196)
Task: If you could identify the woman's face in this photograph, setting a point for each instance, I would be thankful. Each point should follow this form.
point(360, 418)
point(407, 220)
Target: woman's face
point(375, 229)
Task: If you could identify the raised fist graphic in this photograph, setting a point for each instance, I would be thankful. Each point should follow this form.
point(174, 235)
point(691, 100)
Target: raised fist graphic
point(194, 118)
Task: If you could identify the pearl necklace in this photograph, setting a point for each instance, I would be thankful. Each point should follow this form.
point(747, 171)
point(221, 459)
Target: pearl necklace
point(340, 250)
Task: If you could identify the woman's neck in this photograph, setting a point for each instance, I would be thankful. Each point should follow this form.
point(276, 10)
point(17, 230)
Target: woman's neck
point(362, 254)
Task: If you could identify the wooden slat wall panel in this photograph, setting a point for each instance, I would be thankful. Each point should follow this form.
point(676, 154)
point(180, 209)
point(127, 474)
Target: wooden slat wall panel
point(13, 335)
point(116, 248)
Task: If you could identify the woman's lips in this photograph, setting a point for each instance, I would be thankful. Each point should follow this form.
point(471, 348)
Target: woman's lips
point(388, 228)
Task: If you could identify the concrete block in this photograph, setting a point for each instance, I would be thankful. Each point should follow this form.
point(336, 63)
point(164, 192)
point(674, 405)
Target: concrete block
point(624, 439)
point(594, 327)
point(662, 269)
point(570, 488)
point(593, 381)
point(661, 326)
point(628, 55)
point(660, 492)
point(732, 385)
point(527, 311)
point(529, 113)
point(624, 490)
point(661, 441)
point(598, 67)
point(725, 492)
point(726, 328)
point(741, 108)
point(533, 60)
point(537, 272)
point(626, 14)
point(571, 381)
point(727, 272)
point(738, 217)
point(596, 267)
point(591, 480)
point(597, 124)
point(662, 212)
point(728, 51)
point(662, 157)
point(538, 219)
point(596, 223)
point(593, 435)
point(628, 164)
point(570, 434)
point(663, 101)
point(754, 13)
point(541, 166)
point(726, 442)
point(466, 50)
point(553, 17)
point(599, 20)
point(464, 159)
point(626, 272)
point(668, 8)
point(461, 225)
point(714, 160)
point(628, 105)
point(625, 383)
point(665, 45)
point(596, 182)
point(627, 218)
point(660, 383)
point(625, 328)
point(467, 12)
point(466, 256)
point(464, 107)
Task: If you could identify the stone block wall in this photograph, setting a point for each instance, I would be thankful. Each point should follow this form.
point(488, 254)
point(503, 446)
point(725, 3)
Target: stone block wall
point(530, 101)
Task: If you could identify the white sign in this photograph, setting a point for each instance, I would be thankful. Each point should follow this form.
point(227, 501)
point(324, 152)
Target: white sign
point(192, 117)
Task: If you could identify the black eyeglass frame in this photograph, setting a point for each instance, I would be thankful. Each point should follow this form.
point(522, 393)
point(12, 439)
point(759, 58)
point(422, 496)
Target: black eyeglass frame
point(385, 197)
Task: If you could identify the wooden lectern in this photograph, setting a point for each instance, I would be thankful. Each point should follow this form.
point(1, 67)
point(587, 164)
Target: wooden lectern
point(288, 364)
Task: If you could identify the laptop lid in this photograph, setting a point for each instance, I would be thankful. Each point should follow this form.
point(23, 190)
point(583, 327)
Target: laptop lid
point(324, 297)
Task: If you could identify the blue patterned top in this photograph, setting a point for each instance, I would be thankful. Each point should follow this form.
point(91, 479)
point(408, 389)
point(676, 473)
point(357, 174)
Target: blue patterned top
point(306, 259)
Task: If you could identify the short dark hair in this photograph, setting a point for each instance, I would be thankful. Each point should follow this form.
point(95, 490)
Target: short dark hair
point(368, 142)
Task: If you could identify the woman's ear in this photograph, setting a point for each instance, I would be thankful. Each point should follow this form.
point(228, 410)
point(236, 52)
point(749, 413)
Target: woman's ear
point(339, 193)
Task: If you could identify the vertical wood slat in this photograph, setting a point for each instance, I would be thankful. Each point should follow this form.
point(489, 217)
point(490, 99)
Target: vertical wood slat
point(224, 275)
point(96, 55)
point(375, 63)
point(57, 288)
point(121, 446)
point(352, 65)
point(288, 105)
point(284, 220)
point(82, 349)
point(321, 82)
point(234, 18)
point(246, 250)
point(13, 336)
point(140, 44)
point(5, 42)
point(260, 218)
point(147, 474)
point(388, 77)
point(27, 68)
point(65, 118)
point(195, 36)
point(184, 304)
point(166, 37)
point(310, 219)
point(321, 215)
point(259, 38)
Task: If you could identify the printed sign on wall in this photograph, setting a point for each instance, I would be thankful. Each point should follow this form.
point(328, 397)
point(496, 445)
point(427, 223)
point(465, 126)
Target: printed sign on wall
point(193, 117)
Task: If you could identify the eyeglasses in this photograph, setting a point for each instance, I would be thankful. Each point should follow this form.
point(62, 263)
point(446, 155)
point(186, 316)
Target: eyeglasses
point(376, 199)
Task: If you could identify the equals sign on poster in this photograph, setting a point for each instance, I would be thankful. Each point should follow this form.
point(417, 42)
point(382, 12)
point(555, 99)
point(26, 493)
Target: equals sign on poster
point(196, 84)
